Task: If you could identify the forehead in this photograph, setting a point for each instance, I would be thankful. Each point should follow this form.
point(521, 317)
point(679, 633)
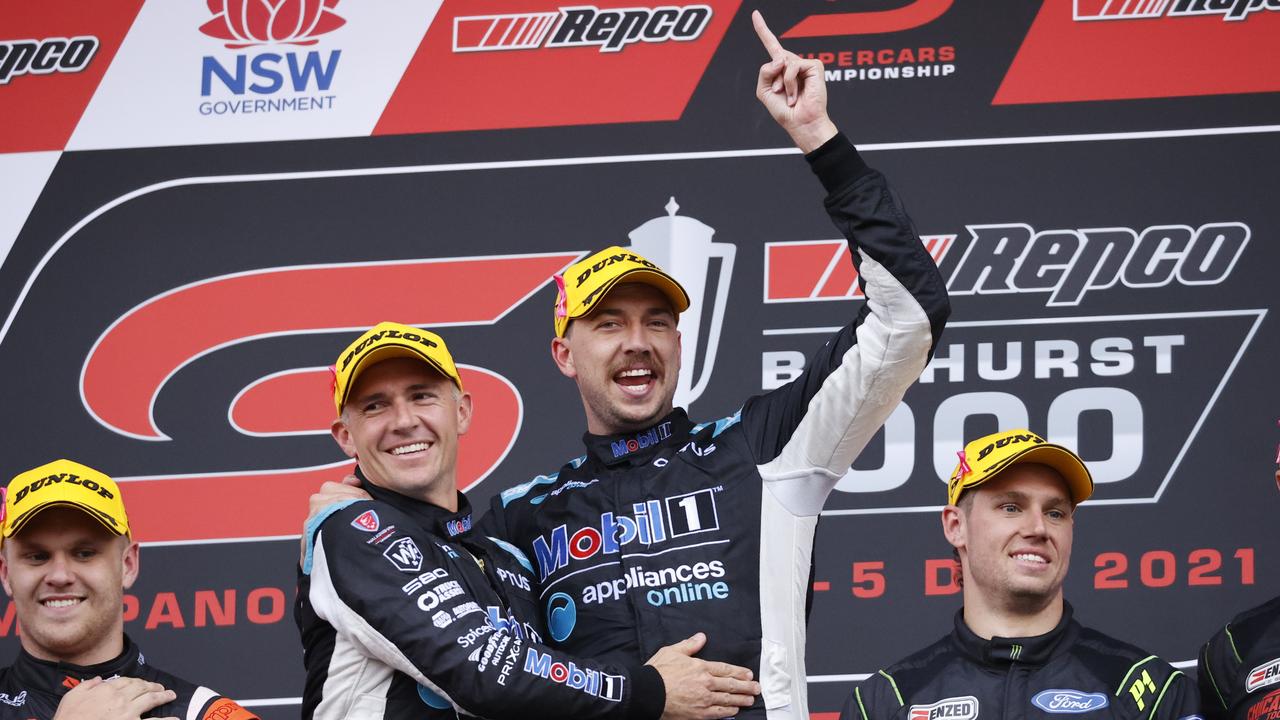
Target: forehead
point(395, 373)
point(61, 525)
point(1032, 479)
point(634, 297)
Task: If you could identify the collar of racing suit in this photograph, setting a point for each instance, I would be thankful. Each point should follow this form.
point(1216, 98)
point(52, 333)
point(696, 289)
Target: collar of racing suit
point(638, 447)
point(1002, 651)
point(57, 678)
point(431, 517)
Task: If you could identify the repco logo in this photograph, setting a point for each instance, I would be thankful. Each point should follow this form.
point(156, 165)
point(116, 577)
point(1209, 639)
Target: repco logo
point(1004, 442)
point(73, 479)
point(391, 334)
point(579, 26)
point(41, 57)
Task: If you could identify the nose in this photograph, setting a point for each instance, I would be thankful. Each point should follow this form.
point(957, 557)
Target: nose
point(59, 573)
point(637, 338)
point(1034, 525)
point(404, 416)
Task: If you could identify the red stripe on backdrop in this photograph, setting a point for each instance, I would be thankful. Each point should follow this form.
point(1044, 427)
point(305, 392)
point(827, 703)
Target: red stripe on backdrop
point(42, 107)
point(133, 359)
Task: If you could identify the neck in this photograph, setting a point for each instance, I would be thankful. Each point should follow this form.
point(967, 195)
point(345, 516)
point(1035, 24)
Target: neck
point(1017, 617)
point(108, 649)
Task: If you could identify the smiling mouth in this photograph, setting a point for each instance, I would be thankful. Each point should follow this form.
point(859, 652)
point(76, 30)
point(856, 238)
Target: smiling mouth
point(1031, 558)
point(61, 602)
point(635, 381)
point(410, 449)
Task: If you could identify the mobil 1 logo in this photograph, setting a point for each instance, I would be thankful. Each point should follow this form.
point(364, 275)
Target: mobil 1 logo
point(1102, 385)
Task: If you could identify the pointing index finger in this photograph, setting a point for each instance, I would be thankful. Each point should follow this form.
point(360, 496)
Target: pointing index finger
point(767, 38)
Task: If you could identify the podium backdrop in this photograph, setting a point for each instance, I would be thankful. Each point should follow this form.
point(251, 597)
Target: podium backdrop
point(204, 201)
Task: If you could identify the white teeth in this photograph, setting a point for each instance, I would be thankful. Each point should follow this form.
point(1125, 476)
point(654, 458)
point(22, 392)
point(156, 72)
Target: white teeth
point(638, 372)
point(61, 603)
point(405, 449)
point(1029, 558)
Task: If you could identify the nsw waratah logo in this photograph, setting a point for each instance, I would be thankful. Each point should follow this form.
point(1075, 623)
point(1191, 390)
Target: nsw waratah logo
point(244, 23)
point(1069, 701)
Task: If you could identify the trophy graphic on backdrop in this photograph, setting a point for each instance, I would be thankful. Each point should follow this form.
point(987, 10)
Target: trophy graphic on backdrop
point(682, 246)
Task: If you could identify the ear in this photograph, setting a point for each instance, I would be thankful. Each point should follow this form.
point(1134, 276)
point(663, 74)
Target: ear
point(464, 413)
point(131, 566)
point(4, 573)
point(563, 357)
point(343, 437)
point(954, 527)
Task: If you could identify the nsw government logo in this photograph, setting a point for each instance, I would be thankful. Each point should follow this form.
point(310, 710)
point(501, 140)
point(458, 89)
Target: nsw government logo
point(1069, 701)
point(267, 80)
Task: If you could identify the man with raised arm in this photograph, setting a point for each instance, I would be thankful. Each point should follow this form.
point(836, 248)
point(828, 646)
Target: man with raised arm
point(1016, 651)
point(406, 611)
point(666, 527)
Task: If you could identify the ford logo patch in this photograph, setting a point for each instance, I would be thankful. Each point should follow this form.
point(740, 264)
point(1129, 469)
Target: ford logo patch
point(1069, 701)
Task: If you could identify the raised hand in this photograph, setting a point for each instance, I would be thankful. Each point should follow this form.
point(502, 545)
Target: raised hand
point(794, 91)
point(122, 698)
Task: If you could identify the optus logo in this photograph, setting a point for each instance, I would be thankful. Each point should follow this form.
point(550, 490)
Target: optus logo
point(257, 22)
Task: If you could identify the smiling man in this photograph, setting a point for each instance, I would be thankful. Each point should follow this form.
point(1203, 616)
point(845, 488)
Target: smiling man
point(666, 526)
point(405, 611)
point(67, 558)
point(1016, 651)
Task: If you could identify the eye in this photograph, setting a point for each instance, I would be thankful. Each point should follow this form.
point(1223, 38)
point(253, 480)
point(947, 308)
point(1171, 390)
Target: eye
point(85, 553)
point(1057, 515)
point(1010, 509)
point(373, 406)
point(35, 558)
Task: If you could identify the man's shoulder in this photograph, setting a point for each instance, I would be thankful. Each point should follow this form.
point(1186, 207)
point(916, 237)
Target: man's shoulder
point(1128, 670)
point(1254, 630)
point(917, 671)
point(532, 492)
point(193, 701)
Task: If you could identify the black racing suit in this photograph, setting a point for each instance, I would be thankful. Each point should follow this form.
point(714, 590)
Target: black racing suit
point(1069, 672)
point(683, 527)
point(32, 688)
point(1240, 667)
point(405, 612)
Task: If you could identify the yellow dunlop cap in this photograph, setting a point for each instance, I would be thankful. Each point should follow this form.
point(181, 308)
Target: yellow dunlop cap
point(385, 341)
point(584, 283)
point(986, 457)
point(63, 482)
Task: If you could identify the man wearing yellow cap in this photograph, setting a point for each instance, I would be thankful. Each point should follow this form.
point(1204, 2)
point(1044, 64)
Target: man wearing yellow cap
point(1016, 650)
point(667, 527)
point(405, 611)
point(67, 557)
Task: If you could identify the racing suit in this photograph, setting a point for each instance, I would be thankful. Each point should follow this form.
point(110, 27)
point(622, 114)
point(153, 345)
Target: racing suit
point(683, 527)
point(406, 612)
point(32, 688)
point(1068, 671)
point(1240, 667)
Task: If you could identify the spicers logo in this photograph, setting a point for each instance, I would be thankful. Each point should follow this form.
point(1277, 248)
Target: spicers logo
point(956, 708)
point(581, 26)
point(1265, 674)
point(1229, 9)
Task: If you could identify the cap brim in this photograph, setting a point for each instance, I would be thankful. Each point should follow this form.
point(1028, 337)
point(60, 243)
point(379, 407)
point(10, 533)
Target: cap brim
point(666, 284)
point(390, 351)
point(105, 520)
point(1079, 480)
